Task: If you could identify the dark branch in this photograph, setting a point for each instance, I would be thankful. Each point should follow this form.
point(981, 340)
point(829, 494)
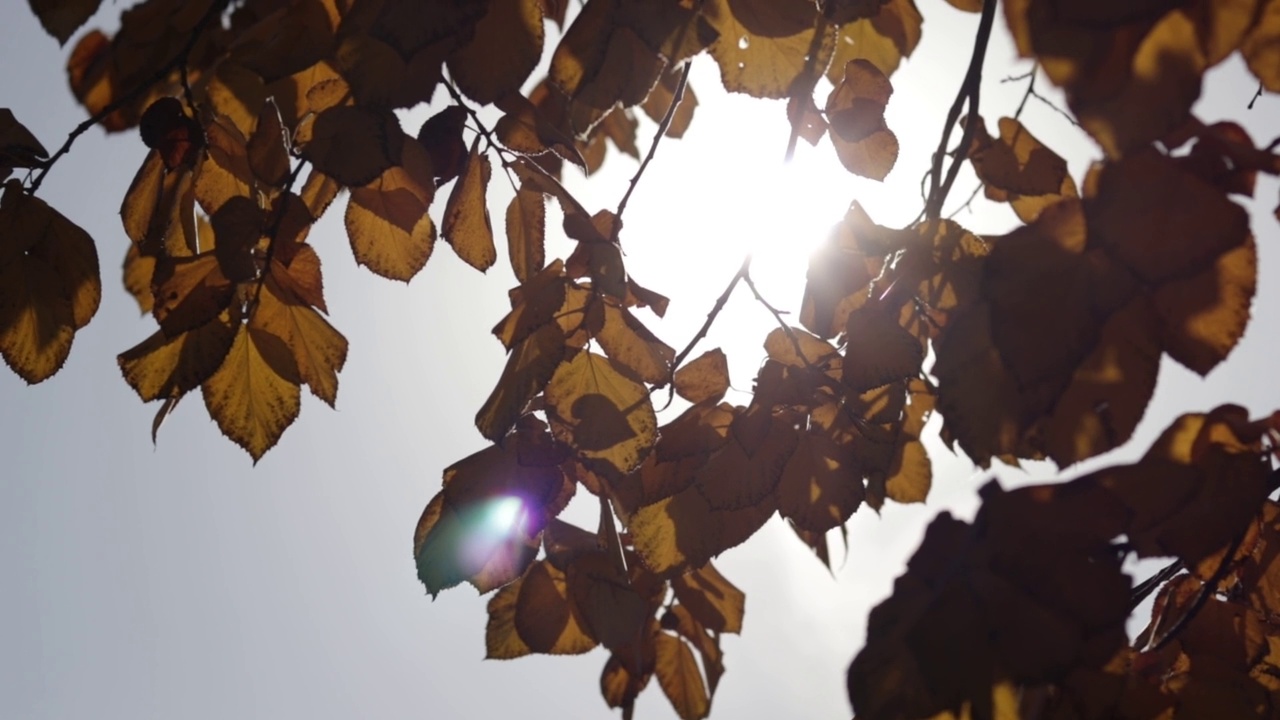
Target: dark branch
point(177, 61)
point(970, 91)
point(1255, 97)
point(274, 231)
point(743, 272)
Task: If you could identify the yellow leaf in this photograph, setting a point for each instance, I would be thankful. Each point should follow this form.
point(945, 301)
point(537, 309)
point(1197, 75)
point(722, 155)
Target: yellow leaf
point(630, 344)
point(504, 50)
point(705, 378)
point(138, 270)
point(604, 415)
point(164, 367)
point(501, 641)
point(466, 216)
point(189, 292)
point(254, 395)
point(318, 349)
point(50, 284)
point(1019, 169)
point(223, 172)
point(387, 221)
point(679, 677)
point(683, 531)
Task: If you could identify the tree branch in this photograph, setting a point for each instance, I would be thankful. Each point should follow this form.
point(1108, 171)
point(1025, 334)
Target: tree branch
point(177, 61)
point(743, 271)
point(970, 92)
point(653, 147)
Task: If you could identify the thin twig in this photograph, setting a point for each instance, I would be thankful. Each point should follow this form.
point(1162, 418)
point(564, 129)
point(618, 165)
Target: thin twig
point(665, 123)
point(484, 131)
point(1255, 97)
point(178, 60)
point(1031, 90)
point(742, 273)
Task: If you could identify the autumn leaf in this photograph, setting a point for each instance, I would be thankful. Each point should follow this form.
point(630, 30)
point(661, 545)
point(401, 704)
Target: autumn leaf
point(883, 39)
point(855, 109)
point(706, 378)
point(763, 45)
point(605, 415)
point(49, 284)
point(254, 394)
point(466, 223)
point(1019, 169)
point(531, 365)
point(18, 147)
point(319, 351)
point(680, 678)
point(164, 367)
point(526, 232)
point(350, 144)
point(61, 19)
point(503, 51)
point(387, 219)
point(711, 599)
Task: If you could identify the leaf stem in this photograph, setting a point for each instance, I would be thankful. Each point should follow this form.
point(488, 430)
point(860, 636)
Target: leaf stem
point(484, 131)
point(743, 272)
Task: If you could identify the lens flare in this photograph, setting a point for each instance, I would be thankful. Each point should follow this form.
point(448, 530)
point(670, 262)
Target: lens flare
point(494, 527)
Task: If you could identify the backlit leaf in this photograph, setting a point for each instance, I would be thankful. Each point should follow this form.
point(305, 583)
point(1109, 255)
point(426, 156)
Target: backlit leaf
point(1019, 169)
point(466, 223)
point(254, 395)
point(504, 50)
point(714, 601)
point(350, 144)
point(855, 109)
point(704, 378)
point(763, 44)
point(50, 285)
point(630, 344)
point(680, 678)
point(387, 221)
point(529, 368)
point(318, 349)
point(164, 367)
point(605, 415)
point(526, 232)
point(883, 40)
point(544, 617)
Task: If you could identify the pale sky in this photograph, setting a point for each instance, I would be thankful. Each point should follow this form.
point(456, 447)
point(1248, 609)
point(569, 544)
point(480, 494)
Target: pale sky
point(183, 582)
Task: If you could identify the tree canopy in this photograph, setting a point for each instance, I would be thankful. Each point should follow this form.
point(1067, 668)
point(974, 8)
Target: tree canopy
point(1041, 343)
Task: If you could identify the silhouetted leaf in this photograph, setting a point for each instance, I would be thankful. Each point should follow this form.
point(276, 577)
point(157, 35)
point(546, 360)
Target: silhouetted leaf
point(855, 109)
point(466, 217)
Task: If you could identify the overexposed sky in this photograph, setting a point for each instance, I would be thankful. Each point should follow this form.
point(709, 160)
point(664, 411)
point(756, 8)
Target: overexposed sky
point(183, 582)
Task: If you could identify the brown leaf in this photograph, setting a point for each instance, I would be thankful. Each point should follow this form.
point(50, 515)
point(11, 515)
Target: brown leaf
point(350, 144)
point(680, 678)
point(18, 147)
point(611, 609)
point(441, 135)
point(706, 378)
point(466, 216)
point(531, 365)
point(661, 97)
point(1261, 48)
point(503, 51)
point(526, 232)
point(763, 44)
point(189, 292)
point(883, 40)
point(711, 599)
point(740, 476)
point(855, 109)
point(544, 617)
point(821, 485)
point(684, 531)
point(268, 147)
point(61, 18)
point(879, 350)
point(1019, 169)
